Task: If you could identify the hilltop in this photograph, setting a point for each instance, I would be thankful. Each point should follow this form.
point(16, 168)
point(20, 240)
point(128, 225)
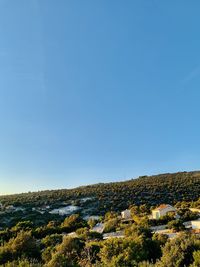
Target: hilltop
point(151, 190)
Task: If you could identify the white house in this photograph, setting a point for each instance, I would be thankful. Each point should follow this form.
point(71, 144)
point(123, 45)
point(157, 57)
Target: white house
point(126, 214)
point(162, 210)
point(195, 224)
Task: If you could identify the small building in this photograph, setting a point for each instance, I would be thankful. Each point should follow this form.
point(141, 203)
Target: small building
point(195, 224)
point(162, 210)
point(126, 214)
point(99, 227)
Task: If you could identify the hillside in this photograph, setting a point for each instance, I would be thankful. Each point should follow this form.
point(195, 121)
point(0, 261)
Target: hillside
point(32, 231)
point(150, 190)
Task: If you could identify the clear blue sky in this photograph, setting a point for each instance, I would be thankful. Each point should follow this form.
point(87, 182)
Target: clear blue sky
point(97, 91)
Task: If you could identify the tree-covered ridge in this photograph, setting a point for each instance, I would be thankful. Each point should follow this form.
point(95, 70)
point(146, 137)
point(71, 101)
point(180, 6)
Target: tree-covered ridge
point(150, 190)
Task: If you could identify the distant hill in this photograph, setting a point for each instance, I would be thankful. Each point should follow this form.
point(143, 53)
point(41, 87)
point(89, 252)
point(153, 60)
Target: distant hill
point(150, 190)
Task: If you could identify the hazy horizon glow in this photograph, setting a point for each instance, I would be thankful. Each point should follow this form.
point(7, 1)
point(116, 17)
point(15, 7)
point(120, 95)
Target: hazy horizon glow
point(97, 91)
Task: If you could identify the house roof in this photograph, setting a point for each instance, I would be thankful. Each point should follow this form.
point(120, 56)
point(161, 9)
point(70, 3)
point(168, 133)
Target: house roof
point(126, 211)
point(164, 206)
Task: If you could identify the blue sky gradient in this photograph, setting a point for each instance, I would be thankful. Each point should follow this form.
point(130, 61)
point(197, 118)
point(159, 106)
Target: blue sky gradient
point(97, 91)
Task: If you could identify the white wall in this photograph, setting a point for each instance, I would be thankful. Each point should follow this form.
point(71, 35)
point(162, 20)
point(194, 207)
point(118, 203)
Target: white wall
point(195, 224)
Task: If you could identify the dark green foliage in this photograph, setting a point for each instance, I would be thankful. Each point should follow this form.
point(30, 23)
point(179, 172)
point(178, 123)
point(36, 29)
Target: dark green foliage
point(32, 239)
point(179, 251)
point(150, 190)
point(111, 225)
point(176, 225)
point(196, 257)
point(52, 240)
point(21, 245)
point(72, 223)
